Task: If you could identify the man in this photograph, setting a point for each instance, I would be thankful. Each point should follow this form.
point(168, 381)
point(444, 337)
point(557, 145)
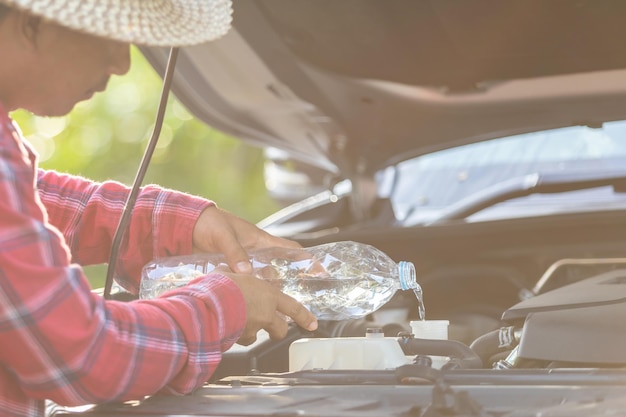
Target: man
point(58, 340)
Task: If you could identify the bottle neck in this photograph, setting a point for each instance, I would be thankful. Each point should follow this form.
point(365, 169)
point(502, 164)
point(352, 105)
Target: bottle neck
point(406, 273)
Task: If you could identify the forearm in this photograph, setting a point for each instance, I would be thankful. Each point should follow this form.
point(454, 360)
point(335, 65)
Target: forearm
point(61, 341)
point(87, 350)
point(88, 214)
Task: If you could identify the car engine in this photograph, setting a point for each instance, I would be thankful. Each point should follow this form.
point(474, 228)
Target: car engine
point(560, 353)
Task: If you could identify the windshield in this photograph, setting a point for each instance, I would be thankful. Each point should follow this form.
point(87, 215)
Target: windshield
point(424, 186)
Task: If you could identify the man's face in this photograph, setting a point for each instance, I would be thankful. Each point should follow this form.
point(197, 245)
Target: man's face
point(64, 67)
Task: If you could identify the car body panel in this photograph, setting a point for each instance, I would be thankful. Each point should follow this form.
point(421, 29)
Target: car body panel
point(357, 84)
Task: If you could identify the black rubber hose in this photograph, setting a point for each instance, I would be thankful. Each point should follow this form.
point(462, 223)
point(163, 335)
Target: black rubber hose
point(495, 342)
point(487, 345)
point(462, 356)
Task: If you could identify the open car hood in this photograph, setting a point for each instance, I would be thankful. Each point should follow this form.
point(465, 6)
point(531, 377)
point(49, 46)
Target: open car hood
point(353, 85)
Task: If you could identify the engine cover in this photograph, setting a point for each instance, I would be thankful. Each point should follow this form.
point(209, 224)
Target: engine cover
point(579, 323)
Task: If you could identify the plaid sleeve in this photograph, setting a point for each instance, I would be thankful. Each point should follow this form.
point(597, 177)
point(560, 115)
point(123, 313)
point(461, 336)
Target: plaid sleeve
point(62, 342)
point(87, 214)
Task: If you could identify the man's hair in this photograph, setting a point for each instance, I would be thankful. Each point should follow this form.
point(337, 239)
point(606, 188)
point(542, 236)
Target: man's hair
point(4, 10)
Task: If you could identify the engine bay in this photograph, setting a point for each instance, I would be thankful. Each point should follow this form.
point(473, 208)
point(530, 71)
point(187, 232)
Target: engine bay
point(558, 353)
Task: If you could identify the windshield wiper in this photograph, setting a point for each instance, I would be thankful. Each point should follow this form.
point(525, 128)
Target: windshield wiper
point(535, 183)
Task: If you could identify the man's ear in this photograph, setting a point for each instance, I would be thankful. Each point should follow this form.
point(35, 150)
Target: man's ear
point(28, 28)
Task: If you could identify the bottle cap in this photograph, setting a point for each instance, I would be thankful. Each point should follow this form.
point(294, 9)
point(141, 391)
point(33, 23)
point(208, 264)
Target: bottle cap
point(406, 272)
point(430, 329)
point(374, 332)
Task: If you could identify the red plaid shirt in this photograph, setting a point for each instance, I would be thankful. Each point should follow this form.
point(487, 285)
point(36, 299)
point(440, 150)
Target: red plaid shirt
point(58, 340)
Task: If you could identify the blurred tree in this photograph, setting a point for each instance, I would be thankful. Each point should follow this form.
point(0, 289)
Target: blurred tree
point(105, 137)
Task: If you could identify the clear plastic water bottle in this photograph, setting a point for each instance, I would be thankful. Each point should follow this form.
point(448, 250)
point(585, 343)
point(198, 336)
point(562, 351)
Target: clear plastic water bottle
point(335, 281)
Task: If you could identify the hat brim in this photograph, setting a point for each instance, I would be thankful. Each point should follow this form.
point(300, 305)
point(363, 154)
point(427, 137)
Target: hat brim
point(141, 22)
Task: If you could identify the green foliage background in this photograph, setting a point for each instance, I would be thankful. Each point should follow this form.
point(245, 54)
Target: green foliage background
point(105, 137)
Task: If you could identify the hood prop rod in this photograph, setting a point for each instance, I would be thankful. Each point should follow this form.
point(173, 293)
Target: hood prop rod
point(141, 173)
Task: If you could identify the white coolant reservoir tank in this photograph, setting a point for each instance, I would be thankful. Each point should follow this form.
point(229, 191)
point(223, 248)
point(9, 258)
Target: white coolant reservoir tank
point(374, 351)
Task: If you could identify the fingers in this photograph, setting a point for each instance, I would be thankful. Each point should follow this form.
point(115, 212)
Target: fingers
point(236, 256)
point(288, 308)
point(218, 231)
point(268, 308)
point(222, 232)
point(229, 245)
point(277, 328)
point(247, 339)
point(276, 241)
point(298, 313)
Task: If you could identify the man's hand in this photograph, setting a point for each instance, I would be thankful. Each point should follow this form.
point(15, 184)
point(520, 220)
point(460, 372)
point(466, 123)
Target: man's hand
point(266, 308)
point(221, 232)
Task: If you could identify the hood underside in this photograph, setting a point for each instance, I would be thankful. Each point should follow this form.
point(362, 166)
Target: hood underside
point(353, 85)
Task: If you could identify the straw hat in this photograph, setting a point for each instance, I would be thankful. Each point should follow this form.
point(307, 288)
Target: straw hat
point(143, 22)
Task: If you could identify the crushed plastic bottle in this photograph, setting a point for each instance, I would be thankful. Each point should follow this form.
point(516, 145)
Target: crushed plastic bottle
point(335, 281)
